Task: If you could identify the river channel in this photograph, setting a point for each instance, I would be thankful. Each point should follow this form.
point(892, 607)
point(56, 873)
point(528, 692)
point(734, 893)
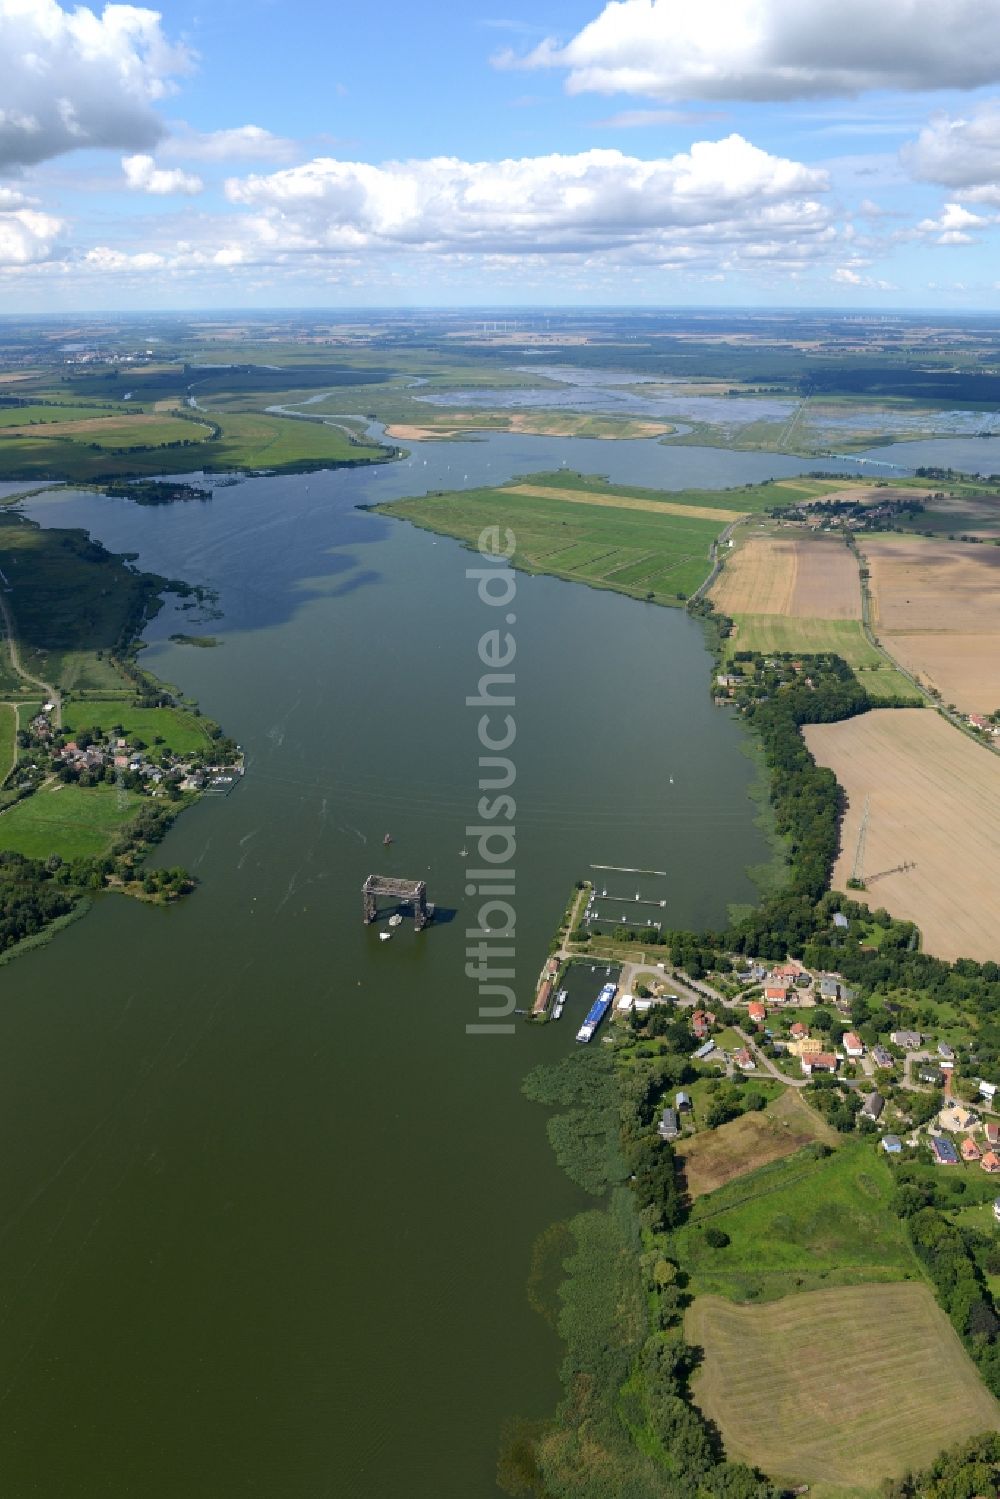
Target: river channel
point(266, 1208)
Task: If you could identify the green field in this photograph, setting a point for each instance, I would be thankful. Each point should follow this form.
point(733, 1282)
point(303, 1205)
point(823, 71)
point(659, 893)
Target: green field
point(247, 440)
point(183, 732)
point(636, 552)
point(839, 1388)
point(799, 1224)
point(8, 739)
point(772, 634)
point(72, 821)
point(45, 412)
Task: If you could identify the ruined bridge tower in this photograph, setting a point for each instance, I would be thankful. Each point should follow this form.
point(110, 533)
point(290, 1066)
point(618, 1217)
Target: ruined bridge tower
point(408, 892)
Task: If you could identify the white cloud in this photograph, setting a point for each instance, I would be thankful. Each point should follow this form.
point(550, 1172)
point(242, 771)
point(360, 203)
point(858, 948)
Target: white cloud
point(74, 78)
point(953, 224)
point(720, 193)
point(26, 235)
point(961, 153)
point(244, 142)
point(105, 259)
point(144, 176)
point(776, 49)
point(848, 275)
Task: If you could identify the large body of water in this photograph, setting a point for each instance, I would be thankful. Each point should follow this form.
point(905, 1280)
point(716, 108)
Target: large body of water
point(266, 1210)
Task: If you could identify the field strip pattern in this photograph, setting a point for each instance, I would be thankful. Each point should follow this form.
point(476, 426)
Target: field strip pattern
point(623, 502)
point(935, 807)
point(846, 1386)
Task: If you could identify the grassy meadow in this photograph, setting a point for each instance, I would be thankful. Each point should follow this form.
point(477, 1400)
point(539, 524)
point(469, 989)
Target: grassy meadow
point(180, 731)
point(839, 1388)
point(799, 1224)
point(68, 820)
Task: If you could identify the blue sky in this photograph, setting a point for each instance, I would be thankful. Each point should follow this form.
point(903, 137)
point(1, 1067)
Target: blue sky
point(267, 154)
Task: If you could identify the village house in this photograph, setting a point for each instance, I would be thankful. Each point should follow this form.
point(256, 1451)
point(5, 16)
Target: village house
point(992, 1133)
point(853, 1045)
point(873, 1105)
point(756, 1012)
point(819, 1061)
point(908, 1040)
point(970, 1150)
point(944, 1152)
point(987, 1091)
point(945, 1052)
point(668, 1128)
point(881, 1057)
point(798, 1031)
point(683, 1102)
point(990, 1162)
point(996, 1208)
point(892, 1144)
point(776, 994)
point(744, 1060)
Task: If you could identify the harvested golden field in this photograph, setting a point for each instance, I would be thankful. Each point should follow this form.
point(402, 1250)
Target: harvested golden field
point(936, 609)
point(717, 1156)
point(934, 807)
point(622, 502)
point(119, 430)
point(842, 1387)
point(800, 576)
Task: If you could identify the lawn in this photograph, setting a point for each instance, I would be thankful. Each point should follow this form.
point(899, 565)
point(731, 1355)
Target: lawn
point(72, 821)
point(717, 1156)
point(183, 732)
point(840, 1387)
point(800, 1223)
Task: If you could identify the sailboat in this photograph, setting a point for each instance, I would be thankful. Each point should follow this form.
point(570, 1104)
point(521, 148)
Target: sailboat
point(387, 840)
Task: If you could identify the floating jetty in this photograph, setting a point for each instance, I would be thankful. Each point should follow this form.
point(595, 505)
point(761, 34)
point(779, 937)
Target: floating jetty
point(624, 869)
point(596, 1013)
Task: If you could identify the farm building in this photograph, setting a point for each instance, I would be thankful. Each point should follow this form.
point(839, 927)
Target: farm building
point(683, 1101)
point(990, 1162)
point(908, 1040)
point(873, 1105)
point(892, 1144)
point(704, 1051)
point(944, 1152)
point(853, 1044)
point(970, 1150)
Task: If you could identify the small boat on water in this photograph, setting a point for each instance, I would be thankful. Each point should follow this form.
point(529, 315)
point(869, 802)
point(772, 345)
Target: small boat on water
point(384, 936)
point(557, 1008)
point(387, 840)
point(395, 920)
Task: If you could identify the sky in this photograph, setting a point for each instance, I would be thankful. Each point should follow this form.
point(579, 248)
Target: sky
point(310, 153)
